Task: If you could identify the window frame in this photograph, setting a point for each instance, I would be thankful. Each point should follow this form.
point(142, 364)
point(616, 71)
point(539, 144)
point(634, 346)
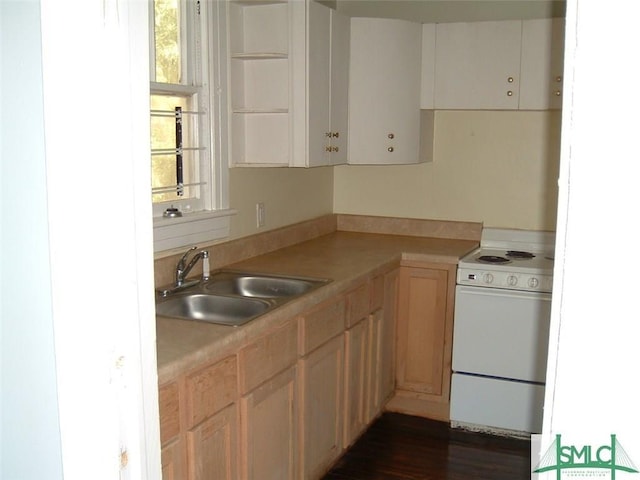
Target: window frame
point(208, 61)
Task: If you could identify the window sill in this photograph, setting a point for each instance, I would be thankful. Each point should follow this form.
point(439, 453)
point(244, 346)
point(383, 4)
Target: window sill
point(191, 229)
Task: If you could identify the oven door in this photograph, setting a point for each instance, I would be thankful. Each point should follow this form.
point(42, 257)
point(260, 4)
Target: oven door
point(501, 333)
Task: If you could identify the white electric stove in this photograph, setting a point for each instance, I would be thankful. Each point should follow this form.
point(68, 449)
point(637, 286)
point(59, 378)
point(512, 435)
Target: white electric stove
point(501, 332)
point(510, 259)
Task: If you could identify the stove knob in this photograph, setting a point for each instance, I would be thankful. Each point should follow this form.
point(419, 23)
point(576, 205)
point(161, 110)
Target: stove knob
point(488, 278)
point(533, 282)
point(512, 280)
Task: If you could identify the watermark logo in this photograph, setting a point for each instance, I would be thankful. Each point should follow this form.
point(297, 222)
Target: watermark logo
point(580, 461)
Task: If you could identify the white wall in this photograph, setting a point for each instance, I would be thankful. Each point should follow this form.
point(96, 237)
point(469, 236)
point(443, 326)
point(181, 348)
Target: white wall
point(499, 168)
point(79, 375)
point(290, 195)
point(592, 379)
point(29, 427)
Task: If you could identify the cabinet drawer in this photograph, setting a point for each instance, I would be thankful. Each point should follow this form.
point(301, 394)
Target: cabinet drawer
point(358, 302)
point(169, 413)
point(211, 389)
point(267, 356)
point(321, 324)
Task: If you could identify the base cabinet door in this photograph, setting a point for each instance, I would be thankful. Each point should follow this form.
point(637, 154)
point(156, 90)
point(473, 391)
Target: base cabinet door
point(424, 340)
point(173, 461)
point(386, 359)
point(172, 454)
point(269, 429)
point(322, 407)
point(357, 381)
point(212, 447)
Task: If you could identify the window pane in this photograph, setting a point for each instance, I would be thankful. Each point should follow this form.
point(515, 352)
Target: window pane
point(167, 41)
point(163, 136)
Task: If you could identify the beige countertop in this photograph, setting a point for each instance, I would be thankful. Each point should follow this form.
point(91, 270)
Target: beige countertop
point(344, 257)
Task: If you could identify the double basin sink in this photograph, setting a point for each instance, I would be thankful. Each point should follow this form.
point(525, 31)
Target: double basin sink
point(232, 298)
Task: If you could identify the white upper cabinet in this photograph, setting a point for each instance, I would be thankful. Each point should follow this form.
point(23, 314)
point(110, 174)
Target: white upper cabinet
point(542, 64)
point(477, 65)
point(502, 65)
point(428, 77)
point(288, 83)
point(384, 91)
point(326, 83)
point(259, 72)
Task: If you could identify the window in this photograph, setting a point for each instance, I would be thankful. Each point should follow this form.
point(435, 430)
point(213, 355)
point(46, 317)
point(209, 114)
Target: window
point(187, 120)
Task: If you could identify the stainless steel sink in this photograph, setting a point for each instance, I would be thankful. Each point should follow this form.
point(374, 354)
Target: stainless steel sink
point(253, 285)
point(225, 310)
point(231, 297)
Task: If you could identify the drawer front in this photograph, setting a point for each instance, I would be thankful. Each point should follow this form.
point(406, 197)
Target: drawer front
point(358, 304)
point(210, 389)
point(169, 413)
point(322, 324)
point(267, 356)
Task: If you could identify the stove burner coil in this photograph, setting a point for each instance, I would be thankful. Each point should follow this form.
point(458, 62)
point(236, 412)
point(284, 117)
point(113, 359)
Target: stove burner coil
point(493, 259)
point(519, 254)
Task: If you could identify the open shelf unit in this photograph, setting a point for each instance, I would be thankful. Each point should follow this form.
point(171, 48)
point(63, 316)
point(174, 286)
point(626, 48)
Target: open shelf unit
point(260, 79)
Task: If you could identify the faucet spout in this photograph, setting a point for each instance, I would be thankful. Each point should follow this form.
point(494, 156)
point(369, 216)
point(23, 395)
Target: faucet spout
point(183, 268)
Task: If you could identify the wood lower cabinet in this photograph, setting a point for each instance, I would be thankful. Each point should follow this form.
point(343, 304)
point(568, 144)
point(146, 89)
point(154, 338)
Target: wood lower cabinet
point(269, 405)
point(424, 340)
point(387, 360)
point(198, 423)
point(357, 380)
point(212, 447)
point(173, 463)
point(322, 385)
point(269, 429)
point(285, 404)
point(370, 347)
point(173, 451)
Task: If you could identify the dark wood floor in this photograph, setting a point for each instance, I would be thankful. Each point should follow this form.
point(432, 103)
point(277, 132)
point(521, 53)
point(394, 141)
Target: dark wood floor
point(401, 447)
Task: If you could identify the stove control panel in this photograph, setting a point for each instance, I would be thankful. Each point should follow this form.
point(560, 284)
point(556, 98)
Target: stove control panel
point(506, 280)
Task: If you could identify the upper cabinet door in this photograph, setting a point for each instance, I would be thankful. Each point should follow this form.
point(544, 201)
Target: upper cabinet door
point(340, 41)
point(542, 64)
point(478, 65)
point(427, 89)
point(384, 91)
point(319, 82)
point(328, 84)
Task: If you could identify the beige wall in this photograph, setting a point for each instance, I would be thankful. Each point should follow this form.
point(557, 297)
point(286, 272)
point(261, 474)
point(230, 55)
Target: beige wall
point(500, 168)
point(290, 195)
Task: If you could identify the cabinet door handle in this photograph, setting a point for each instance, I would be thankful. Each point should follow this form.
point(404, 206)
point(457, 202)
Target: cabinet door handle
point(510, 79)
point(391, 136)
point(558, 79)
point(390, 149)
point(509, 93)
point(558, 93)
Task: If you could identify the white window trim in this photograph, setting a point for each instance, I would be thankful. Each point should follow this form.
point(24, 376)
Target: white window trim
point(214, 222)
point(191, 229)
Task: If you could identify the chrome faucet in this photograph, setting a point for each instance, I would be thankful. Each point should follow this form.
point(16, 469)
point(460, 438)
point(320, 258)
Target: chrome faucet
point(183, 268)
